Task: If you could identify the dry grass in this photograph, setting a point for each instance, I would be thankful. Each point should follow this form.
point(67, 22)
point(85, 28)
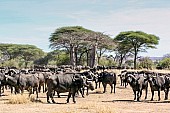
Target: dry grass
point(96, 102)
point(66, 112)
point(95, 107)
point(104, 109)
point(18, 99)
point(21, 99)
point(87, 105)
point(99, 91)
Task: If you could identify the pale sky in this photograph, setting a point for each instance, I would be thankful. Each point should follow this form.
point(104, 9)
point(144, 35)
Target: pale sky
point(32, 21)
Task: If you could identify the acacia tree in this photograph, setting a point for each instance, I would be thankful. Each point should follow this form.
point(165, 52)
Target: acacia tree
point(165, 63)
point(138, 41)
point(146, 63)
point(122, 52)
point(21, 52)
point(77, 40)
point(30, 53)
point(69, 38)
point(105, 44)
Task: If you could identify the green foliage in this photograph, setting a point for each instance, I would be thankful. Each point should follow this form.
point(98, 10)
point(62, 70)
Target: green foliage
point(78, 41)
point(20, 54)
point(146, 63)
point(107, 62)
point(165, 63)
point(10, 63)
point(64, 36)
point(129, 63)
point(56, 57)
point(136, 41)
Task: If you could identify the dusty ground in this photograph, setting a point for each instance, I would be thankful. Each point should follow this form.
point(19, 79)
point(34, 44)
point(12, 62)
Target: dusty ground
point(96, 102)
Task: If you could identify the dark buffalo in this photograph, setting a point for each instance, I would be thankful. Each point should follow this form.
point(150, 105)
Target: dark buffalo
point(138, 83)
point(2, 82)
point(22, 82)
point(64, 83)
point(122, 78)
point(107, 78)
point(90, 86)
point(157, 83)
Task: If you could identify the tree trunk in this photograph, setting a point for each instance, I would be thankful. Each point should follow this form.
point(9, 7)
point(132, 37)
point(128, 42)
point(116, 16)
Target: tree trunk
point(122, 57)
point(72, 56)
point(79, 61)
point(88, 63)
point(99, 59)
point(135, 59)
point(26, 64)
point(76, 57)
point(93, 56)
point(120, 61)
point(100, 55)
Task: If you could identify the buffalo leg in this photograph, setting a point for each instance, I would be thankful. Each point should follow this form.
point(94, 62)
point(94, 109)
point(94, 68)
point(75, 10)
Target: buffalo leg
point(114, 88)
point(134, 94)
point(11, 89)
point(87, 93)
point(139, 94)
point(159, 98)
point(146, 92)
point(48, 97)
point(82, 92)
point(166, 93)
point(3, 87)
point(50, 94)
point(99, 84)
point(69, 95)
point(152, 95)
point(111, 85)
point(96, 85)
point(121, 82)
point(58, 94)
point(30, 91)
point(0, 90)
point(73, 95)
point(43, 88)
point(104, 86)
point(16, 90)
point(125, 84)
point(37, 91)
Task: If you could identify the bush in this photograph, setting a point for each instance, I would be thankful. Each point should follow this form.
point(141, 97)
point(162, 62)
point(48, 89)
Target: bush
point(165, 63)
point(107, 62)
point(145, 63)
point(18, 99)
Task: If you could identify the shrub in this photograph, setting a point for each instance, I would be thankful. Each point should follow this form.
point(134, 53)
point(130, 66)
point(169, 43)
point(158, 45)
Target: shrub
point(18, 99)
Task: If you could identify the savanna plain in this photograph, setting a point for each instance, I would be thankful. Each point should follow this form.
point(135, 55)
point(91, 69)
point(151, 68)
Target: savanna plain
point(96, 102)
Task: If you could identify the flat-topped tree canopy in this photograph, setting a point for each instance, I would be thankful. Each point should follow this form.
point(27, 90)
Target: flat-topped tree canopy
point(137, 41)
point(78, 39)
point(64, 36)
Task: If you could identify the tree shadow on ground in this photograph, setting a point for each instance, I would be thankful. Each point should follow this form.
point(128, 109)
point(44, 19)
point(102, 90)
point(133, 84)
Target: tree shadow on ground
point(143, 101)
point(3, 99)
point(96, 92)
point(164, 101)
point(58, 103)
point(120, 101)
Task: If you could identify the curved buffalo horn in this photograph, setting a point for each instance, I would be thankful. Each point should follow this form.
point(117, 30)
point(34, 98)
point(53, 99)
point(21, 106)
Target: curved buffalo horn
point(85, 84)
point(132, 76)
point(146, 76)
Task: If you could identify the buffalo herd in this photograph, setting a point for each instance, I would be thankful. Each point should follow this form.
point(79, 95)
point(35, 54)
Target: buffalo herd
point(74, 81)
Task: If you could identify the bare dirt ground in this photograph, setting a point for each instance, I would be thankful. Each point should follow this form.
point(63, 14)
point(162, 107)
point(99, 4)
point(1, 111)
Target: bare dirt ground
point(96, 102)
